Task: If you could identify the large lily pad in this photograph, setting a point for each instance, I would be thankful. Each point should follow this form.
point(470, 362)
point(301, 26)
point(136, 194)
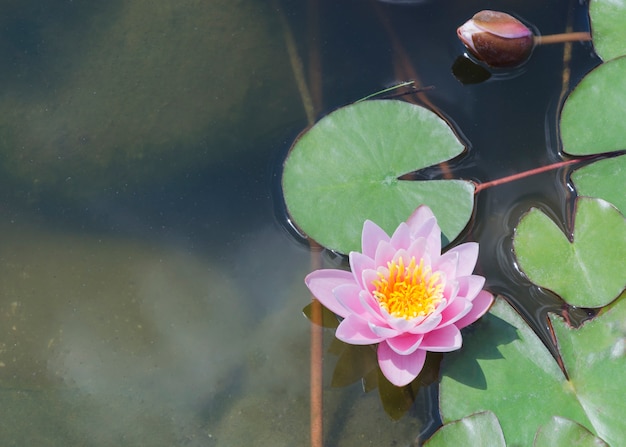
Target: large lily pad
point(605, 179)
point(525, 388)
point(592, 120)
point(607, 23)
point(589, 271)
point(346, 169)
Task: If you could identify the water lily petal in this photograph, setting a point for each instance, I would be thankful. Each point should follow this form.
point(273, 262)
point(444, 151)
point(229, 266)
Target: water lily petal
point(401, 254)
point(451, 290)
point(321, 284)
point(501, 24)
point(428, 324)
point(373, 308)
point(384, 253)
point(384, 332)
point(417, 222)
point(348, 297)
point(401, 238)
point(398, 323)
point(447, 264)
point(400, 369)
point(480, 305)
point(468, 255)
point(469, 286)
point(455, 311)
point(371, 236)
point(358, 263)
point(417, 250)
point(369, 276)
point(446, 339)
point(405, 344)
point(421, 214)
point(356, 331)
point(429, 231)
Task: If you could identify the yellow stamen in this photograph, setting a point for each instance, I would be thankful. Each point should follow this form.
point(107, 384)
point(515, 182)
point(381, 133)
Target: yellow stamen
point(409, 291)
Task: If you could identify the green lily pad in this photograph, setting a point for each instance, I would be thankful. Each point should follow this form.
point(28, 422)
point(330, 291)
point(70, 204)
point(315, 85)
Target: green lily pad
point(605, 179)
point(346, 169)
point(595, 360)
point(589, 271)
point(607, 23)
point(477, 429)
point(592, 120)
point(525, 388)
point(563, 432)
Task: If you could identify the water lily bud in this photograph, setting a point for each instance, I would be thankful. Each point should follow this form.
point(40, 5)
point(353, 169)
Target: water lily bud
point(496, 38)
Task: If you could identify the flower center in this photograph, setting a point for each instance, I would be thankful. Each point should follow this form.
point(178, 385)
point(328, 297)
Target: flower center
point(409, 291)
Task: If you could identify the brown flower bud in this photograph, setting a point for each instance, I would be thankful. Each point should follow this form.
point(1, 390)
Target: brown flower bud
point(496, 38)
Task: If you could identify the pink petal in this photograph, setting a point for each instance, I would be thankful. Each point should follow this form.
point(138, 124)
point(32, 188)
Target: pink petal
point(400, 369)
point(420, 227)
point(405, 344)
point(384, 253)
point(384, 332)
point(446, 339)
point(402, 253)
point(429, 230)
point(468, 255)
point(419, 217)
point(451, 290)
point(358, 263)
point(369, 276)
point(321, 284)
point(401, 238)
point(480, 305)
point(429, 323)
point(348, 296)
point(501, 24)
point(455, 311)
point(469, 286)
point(417, 249)
point(372, 307)
point(447, 264)
point(399, 323)
point(356, 331)
point(371, 236)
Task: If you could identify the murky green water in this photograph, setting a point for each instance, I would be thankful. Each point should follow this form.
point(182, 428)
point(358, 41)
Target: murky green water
point(150, 294)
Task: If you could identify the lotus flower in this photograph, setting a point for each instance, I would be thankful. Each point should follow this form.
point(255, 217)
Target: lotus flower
point(403, 294)
point(497, 38)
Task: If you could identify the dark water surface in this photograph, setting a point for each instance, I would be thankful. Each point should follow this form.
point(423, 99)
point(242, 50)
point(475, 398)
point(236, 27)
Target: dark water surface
point(150, 289)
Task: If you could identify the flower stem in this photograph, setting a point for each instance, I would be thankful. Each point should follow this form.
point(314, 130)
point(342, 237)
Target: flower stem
point(520, 175)
point(565, 37)
point(317, 351)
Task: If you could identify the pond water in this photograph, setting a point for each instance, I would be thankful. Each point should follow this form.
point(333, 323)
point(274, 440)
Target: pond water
point(150, 286)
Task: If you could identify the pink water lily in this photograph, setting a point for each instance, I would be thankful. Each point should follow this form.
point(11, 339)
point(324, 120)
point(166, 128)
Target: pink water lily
point(403, 294)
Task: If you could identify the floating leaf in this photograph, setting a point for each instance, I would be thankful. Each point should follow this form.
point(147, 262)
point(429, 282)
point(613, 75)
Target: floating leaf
point(346, 169)
point(605, 179)
point(592, 120)
point(595, 360)
point(609, 33)
point(563, 432)
point(526, 388)
point(477, 429)
point(587, 272)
